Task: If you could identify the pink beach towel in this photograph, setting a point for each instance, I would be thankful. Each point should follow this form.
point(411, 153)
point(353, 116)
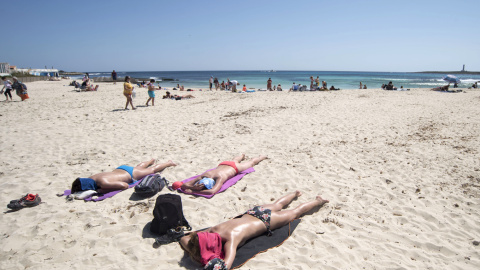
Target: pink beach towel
point(230, 182)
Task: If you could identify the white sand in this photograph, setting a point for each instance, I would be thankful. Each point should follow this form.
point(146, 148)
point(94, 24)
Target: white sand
point(401, 171)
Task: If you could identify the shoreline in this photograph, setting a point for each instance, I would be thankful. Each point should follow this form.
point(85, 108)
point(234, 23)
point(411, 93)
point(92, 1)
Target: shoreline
point(400, 169)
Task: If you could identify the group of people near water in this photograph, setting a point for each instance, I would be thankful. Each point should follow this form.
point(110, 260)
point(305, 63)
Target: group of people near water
point(216, 246)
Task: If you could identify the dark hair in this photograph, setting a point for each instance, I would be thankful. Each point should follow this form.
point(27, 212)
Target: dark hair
point(152, 80)
point(127, 77)
point(76, 186)
point(3, 77)
point(194, 247)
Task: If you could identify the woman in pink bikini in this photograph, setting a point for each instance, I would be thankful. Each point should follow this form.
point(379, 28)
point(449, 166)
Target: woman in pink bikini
point(210, 182)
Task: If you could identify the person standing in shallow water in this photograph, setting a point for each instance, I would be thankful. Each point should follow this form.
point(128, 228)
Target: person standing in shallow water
point(269, 84)
point(114, 77)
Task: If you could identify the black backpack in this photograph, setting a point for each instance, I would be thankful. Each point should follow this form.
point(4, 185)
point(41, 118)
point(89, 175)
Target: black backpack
point(168, 215)
point(150, 185)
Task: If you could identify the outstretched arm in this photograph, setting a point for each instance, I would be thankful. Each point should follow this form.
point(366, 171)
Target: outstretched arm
point(230, 252)
point(191, 183)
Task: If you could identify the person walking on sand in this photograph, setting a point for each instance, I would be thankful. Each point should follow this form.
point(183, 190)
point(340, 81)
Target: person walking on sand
point(216, 247)
point(127, 92)
point(210, 82)
point(7, 85)
point(114, 77)
point(211, 181)
point(269, 84)
point(119, 178)
point(151, 92)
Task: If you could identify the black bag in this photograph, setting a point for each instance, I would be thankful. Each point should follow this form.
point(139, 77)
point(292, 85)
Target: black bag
point(168, 215)
point(150, 185)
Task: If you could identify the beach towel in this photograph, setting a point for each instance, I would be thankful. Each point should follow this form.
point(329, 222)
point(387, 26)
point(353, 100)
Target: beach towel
point(230, 182)
point(263, 243)
point(102, 197)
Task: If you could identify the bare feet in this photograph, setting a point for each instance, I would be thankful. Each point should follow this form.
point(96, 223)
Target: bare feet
point(298, 193)
point(321, 200)
point(262, 157)
point(134, 108)
point(171, 163)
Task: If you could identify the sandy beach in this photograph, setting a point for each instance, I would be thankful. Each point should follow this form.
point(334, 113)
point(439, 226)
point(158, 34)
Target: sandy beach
point(401, 171)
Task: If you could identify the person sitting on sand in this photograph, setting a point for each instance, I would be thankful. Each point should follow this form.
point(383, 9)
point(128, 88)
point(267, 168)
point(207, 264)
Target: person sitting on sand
point(211, 181)
point(364, 86)
point(279, 87)
point(441, 88)
point(119, 178)
point(294, 87)
point(216, 247)
point(333, 88)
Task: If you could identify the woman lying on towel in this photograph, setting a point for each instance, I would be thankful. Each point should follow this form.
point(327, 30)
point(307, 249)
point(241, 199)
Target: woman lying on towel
point(211, 181)
point(119, 178)
point(442, 88)
point(216, 246)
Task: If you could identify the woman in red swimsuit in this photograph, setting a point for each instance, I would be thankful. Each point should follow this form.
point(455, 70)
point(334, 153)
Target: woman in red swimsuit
point(210, 182)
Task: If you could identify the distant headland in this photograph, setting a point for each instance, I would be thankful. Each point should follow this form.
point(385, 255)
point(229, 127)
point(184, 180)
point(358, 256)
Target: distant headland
point(463, 71)
point(452, 72)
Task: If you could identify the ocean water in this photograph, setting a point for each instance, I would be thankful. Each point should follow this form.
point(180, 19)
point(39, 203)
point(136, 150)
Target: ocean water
point(258, 79)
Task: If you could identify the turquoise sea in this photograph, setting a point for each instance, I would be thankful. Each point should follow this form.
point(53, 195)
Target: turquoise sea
point(258, 79)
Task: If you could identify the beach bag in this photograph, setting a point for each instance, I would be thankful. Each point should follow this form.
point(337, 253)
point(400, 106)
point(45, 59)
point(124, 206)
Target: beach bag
point(134, 93)
point(168, 219)
point(150, 185)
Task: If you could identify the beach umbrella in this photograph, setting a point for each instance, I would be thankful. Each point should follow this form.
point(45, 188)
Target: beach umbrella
point(451, 79)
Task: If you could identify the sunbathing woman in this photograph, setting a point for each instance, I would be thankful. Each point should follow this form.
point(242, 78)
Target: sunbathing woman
point(119, 178)
point(210, 182)
point(441, 88)
point(216, 246)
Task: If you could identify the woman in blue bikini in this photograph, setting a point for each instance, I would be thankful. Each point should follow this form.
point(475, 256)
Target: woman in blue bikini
point(119, 178)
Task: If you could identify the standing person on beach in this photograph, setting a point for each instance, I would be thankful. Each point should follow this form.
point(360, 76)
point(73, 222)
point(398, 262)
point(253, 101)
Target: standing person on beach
point(20, 89)
point(222, 86)
point(210, 82)
point(269, 84)
point(7, 85)
point(127, 92)
point(151, 92)
point(311, 82)
point(361, 86)
point(317, 81)
point(215, 81)
point(114, 77)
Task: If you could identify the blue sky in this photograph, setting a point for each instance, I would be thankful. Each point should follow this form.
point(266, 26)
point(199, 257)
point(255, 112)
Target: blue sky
point(242, 35)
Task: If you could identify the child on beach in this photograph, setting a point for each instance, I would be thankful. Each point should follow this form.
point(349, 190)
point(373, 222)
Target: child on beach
point(7, 85)
point(151, 92)
point(244, 88)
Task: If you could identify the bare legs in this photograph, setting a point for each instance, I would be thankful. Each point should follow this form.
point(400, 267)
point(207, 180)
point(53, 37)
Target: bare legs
point(247, 164)
point(280, 218)
point(145, 168)
point(129, 101)
point(153, 101)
